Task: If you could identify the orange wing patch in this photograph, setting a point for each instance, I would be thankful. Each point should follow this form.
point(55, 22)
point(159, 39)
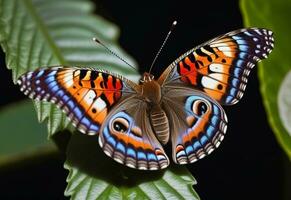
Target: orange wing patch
point(93, 91)
point(210, 68)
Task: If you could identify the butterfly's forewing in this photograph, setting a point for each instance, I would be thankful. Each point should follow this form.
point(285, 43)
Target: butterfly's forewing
point(198, 124)
point(128, 138)
point(85, 95)
point(220, 67)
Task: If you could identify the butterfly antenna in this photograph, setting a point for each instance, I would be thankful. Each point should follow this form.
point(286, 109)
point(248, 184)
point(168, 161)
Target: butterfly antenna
point(113, 53)
point(165, 40)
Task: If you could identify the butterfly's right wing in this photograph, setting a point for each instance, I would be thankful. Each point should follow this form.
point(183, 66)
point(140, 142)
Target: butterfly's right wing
point(85, 95)
point(198, 124)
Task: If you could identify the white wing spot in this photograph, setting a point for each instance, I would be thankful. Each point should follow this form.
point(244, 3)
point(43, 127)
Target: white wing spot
point(209, 82)
point(99, 104)
point(217, 76)
point(89, 97)
point(216, 67)
point(68, 80)
point(226, 50)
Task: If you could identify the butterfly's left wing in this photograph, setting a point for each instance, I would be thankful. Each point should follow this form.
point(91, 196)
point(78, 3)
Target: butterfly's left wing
point(220, 67)
point(198, 124)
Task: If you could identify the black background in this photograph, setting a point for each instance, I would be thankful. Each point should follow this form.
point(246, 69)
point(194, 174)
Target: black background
point(248, 165)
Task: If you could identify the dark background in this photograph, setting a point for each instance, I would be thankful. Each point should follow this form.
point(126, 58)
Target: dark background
point(248, 165)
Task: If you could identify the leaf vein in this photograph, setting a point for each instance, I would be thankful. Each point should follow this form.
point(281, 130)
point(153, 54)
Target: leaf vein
point(44, 30)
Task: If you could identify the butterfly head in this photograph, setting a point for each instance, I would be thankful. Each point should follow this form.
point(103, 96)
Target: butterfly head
point(151, 90)
point(147, 77)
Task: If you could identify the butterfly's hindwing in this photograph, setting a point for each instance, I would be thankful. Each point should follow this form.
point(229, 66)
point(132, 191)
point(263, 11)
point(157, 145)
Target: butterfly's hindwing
point(220, 67)
point(202, 120)
point(85, 95)
point(128, 138)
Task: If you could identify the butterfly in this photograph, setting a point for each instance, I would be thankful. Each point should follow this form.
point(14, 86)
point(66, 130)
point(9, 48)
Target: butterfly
point(182, 107)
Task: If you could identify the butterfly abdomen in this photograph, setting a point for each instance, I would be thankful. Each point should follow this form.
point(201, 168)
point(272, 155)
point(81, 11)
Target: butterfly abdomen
point(160, 124)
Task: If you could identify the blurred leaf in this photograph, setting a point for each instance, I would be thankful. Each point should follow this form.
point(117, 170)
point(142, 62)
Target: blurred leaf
point(109, 180)
point(36, 33)
point(275, 15)
point(21, 135)
point(284, 101)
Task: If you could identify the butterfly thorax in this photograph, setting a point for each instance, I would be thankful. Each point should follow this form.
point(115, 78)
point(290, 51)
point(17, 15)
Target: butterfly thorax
point(151, 89)
point(151, 92)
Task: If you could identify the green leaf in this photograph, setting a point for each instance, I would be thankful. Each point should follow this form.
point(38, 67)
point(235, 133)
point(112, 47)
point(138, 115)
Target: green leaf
point(35, 33)
point(284, 101)
point(275, 15)
point(21, 136)
point(93, 175)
